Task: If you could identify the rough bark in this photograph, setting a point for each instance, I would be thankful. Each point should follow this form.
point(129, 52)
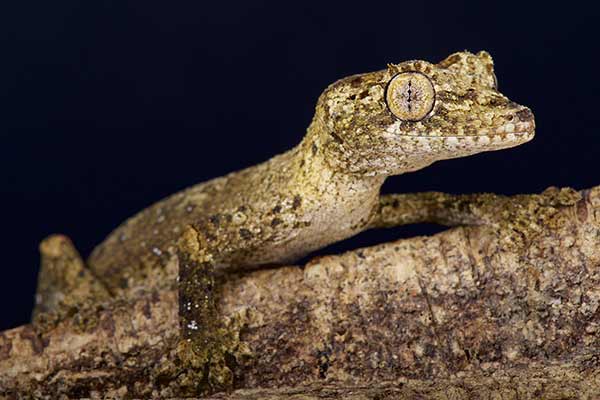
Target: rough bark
point(506, 310)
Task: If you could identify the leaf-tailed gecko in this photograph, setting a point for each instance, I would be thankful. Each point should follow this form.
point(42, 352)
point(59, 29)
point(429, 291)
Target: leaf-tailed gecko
point(366, 128)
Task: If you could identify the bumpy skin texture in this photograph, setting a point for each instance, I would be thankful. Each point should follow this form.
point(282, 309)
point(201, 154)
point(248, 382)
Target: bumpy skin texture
point(285, 207)
point(280, 210)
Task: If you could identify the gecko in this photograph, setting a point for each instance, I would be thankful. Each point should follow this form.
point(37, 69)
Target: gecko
point(366, 128)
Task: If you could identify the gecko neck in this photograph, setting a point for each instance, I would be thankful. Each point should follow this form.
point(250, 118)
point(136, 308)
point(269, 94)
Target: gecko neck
point(331, 196)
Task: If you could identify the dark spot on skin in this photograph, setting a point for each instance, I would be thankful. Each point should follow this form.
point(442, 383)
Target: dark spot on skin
point(245, 234)
point(231, 363)
point(442, 113)
point(228, 217)
point(301, 311)
point(123, 283)
point(451, 60)
point(490, 352)
point(108, 324)
point(582, 212)
point(356, 81)
point(471, 94)
point(497, 102)
point(429, 350)
point(210, 237)
point(323, 359)
point(336, 138)
point(467, 354)
point(446, 96)
point(275, 222)
point(242, 208)
point(302, 163)
point(363, 94)
point(29, 334)
point(471, 131)
point(215, 219)
point(5, 347)
point(147, 311)
point(276, 210)
point(525, 115)
point(297, 202)
point(406, 125)
point(155, 297)
point(314, 149)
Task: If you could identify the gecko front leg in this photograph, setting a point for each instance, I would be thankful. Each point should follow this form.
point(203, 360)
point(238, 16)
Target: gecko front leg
point(207, 343)
point(199, 325)
point(438, 208)
point(510, 216)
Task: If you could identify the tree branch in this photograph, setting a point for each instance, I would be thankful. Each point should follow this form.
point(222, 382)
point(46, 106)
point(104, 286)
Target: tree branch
point(510, 309)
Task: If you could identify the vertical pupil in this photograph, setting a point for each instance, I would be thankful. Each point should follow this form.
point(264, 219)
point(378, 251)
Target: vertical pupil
point(409, 95)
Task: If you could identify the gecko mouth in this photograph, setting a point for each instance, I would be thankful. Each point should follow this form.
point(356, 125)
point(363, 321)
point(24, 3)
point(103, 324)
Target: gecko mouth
point(510, 130)
point(505, 136)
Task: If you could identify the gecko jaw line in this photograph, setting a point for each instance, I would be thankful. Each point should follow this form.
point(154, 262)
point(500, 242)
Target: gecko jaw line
point(517, 134)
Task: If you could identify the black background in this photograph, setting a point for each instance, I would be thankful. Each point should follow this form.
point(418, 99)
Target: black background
point(108, 106)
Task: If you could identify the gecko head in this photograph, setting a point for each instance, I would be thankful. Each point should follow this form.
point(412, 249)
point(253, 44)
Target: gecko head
point(415, 113)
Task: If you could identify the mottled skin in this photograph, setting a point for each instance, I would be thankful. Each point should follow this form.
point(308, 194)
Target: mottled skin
point(324, 190)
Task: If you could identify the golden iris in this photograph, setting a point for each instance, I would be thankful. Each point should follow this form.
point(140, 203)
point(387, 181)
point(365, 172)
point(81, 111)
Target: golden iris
point(410, 96)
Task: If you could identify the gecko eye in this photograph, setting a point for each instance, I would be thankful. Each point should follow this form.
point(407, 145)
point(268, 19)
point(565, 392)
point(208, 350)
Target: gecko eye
point(410, 96)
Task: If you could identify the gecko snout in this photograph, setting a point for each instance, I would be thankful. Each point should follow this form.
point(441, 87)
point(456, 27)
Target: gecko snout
point(519, 125)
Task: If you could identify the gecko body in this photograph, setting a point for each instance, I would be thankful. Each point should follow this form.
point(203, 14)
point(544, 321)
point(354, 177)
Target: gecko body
point(327, 188)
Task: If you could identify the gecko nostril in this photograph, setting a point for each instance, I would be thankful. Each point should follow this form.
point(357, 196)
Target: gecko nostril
point(525, 115)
